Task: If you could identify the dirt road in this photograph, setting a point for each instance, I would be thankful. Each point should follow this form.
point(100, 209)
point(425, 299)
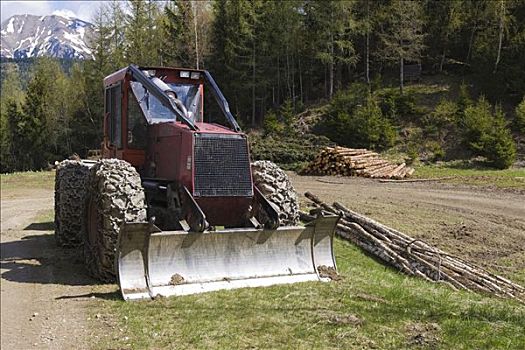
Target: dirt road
point(40, 284)
point(46, 296)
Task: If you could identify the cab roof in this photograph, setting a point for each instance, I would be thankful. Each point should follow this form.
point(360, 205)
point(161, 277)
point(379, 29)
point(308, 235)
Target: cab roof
point(119, 75)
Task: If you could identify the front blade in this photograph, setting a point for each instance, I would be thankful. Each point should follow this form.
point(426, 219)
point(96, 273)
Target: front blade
point(132, 261)
point(179, 262)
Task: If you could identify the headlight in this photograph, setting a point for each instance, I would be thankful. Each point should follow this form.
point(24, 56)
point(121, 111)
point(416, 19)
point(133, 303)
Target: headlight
point(195, 75)
point(184, 74)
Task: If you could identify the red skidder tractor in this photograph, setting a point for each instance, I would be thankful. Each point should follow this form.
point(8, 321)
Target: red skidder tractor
point(174, 206)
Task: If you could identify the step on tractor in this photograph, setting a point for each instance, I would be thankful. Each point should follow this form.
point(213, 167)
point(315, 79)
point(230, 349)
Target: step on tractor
point(174, 206)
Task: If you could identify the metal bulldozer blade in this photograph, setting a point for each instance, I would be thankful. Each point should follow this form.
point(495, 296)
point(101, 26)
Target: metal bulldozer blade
point(153, 263)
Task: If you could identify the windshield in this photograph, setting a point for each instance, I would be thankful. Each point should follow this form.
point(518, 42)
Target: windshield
point(155, 112)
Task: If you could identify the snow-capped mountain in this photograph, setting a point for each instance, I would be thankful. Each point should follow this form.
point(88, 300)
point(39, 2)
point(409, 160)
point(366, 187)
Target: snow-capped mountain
point(24, 36)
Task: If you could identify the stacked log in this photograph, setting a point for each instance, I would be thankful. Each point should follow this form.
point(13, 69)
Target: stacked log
point(413, 256)
point(356, 162)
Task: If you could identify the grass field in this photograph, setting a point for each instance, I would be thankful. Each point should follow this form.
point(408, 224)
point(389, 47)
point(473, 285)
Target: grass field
point(372, 307)
point(28, 180)
point(457, 172)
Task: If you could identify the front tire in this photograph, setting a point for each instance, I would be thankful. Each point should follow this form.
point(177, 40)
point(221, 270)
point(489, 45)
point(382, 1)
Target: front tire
point(276, 187)
point(115, 196)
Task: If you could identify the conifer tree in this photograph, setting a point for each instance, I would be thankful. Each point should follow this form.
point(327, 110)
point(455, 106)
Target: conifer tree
point(330, 25)
point(232, 50)
point(20, 138)
point(444, 21)
point(11, 98)
point(402, 36)
point(179, 46)
point(85, 116)
point(44, 114)
point(143, 26)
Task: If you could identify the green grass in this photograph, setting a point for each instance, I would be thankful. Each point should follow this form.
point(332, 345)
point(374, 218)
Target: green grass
point(28, 180)
point(305, 315)
point(420, 89)
point(456, 172)
point(44, 216)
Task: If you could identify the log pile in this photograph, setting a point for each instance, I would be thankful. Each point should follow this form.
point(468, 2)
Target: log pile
point(413, 256)
point(356, 162)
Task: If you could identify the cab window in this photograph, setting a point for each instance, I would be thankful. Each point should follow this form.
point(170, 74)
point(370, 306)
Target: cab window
point(137, 126)
point(113, 110)
point(155, 112)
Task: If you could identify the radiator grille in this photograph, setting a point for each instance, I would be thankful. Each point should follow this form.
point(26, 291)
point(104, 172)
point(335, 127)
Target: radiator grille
point(221, 166)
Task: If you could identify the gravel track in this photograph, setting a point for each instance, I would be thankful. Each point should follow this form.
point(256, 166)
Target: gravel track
point(45, 291)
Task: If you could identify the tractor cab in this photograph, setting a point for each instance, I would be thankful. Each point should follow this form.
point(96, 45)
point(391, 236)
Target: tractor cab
point(139, 99)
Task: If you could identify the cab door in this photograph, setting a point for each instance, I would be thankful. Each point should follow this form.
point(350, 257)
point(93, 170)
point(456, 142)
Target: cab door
point(112, 120)
point(135, 129)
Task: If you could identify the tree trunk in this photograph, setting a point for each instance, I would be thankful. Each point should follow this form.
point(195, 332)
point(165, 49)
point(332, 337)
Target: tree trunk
point(332, 59)
point(326, 81)
point(338, 76)
point(278, 81)
point(331, 80)
point(471, 42)
point(300, 78)
point(194, 8)
point(367, 59)
point(253, 83)
point(288, 86)
point(442, 60)
point(293, 81)
point(331, 70)
point(501, 27)
point(401, 74)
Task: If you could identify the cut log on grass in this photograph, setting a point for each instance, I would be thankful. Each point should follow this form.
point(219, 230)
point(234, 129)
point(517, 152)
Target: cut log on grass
point(414, 256)
point(417, 180)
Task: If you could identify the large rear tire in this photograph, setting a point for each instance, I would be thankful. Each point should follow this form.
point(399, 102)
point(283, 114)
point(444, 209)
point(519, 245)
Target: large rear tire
point(115, 196)
point(275, 185)
point(70, 196)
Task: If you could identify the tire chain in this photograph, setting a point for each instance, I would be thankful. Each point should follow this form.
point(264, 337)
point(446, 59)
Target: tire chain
point(115, 187)
point(275, 185)
point(71, 180)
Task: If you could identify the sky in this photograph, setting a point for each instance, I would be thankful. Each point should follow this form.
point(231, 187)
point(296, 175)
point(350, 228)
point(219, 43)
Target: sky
point(79, 9)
